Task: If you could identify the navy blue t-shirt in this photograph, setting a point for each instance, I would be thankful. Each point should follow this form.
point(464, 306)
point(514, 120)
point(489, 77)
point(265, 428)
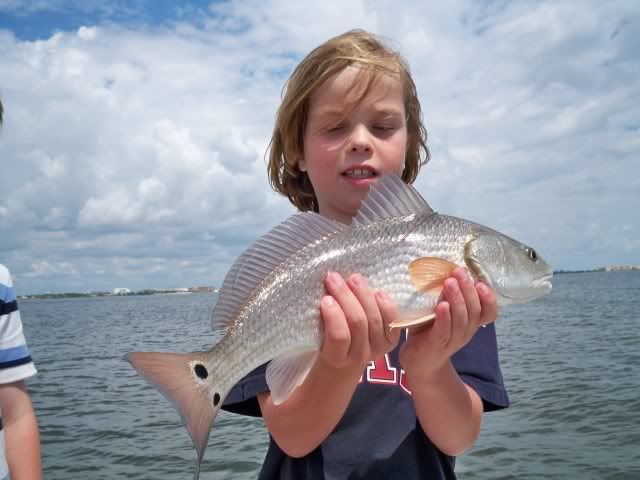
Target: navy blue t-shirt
point(379, 436)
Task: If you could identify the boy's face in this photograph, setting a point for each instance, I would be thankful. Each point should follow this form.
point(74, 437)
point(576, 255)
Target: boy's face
point(346, 149)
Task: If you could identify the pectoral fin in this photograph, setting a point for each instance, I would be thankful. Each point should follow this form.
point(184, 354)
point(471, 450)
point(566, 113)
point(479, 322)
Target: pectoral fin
point(429, 273)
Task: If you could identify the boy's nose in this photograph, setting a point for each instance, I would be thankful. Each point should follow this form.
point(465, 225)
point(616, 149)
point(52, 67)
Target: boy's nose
point(360, 148)
point(360, 141)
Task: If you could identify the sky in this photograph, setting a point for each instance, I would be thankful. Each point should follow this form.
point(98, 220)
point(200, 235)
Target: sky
point(133, 148)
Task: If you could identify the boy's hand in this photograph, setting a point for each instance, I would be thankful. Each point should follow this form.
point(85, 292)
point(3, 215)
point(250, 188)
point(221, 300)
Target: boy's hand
point(356, 322)
point(463, 309)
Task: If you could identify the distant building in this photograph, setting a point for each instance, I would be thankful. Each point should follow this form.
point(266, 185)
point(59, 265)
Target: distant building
point(120, 291)
point(201, 289)
point(620, 268)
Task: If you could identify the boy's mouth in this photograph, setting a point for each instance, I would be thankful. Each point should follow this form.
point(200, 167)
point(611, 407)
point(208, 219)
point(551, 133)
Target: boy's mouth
point(360, 173)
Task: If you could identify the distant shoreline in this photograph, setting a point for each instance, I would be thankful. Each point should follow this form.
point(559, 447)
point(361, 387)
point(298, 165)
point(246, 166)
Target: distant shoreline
point(614, 268)
point(562, 272)
point(49, 296)
point(182, 291)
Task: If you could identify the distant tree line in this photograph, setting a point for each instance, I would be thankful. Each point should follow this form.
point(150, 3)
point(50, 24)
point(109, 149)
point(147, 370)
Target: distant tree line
point(560, 272)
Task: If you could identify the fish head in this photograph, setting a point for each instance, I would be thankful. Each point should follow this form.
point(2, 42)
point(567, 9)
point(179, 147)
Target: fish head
point(516, 272)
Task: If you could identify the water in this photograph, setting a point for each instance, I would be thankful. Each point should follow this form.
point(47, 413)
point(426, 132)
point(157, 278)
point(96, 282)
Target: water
point(570, 362)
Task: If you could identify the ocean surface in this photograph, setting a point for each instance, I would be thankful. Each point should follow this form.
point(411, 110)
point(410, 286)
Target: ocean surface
point(571, 363)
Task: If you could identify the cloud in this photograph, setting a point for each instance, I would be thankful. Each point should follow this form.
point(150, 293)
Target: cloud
point(136, 152)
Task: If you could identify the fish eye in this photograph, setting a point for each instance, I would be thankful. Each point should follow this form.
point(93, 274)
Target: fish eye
point(532, 254)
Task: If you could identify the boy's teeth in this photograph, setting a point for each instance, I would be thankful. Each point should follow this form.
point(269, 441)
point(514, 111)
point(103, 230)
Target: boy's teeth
point(359, 173)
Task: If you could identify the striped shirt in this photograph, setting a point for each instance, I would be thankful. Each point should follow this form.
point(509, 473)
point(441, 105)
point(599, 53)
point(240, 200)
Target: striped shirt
point(15, 360)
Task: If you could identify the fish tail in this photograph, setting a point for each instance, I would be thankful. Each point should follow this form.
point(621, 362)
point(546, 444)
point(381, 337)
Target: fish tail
point(180, 378)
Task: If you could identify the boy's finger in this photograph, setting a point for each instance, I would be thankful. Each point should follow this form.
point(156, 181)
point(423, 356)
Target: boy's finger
point(441, 333)
point(471, 299)
point(337, 337)
point(458, 309)
point(489, 304)
point(353, 312)
point(365, 296)
point(389, 312)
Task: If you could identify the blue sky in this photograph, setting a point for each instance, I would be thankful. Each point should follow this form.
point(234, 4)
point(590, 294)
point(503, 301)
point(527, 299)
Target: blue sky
point(38, 20)
point(135, 132)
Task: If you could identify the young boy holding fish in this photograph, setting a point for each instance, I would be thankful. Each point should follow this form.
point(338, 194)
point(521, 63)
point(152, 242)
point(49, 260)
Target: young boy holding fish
point(309, 345)
point(19, 441)
point(375, 404)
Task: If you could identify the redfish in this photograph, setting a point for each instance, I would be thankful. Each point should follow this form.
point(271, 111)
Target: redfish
point(269, 301)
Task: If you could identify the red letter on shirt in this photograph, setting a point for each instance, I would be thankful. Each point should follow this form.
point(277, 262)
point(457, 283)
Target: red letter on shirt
point(381, 371)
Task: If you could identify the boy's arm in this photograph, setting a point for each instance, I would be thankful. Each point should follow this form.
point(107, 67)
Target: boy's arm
point(449, 411)
point(22, 442)
point(356, 323)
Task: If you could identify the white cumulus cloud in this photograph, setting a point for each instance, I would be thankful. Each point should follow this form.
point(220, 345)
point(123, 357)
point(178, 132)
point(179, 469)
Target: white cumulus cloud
point(137, 153)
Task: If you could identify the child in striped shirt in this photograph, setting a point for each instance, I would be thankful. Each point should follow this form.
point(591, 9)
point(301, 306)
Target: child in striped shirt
point(20, 439)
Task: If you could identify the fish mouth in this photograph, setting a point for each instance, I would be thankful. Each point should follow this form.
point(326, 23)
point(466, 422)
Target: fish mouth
point(544, 280)
point(361, 172)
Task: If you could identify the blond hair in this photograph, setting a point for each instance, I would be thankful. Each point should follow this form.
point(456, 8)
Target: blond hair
point(369, 53)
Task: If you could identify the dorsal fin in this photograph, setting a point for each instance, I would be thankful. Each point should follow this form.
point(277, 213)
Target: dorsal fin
point(263, 256)
point(390, 197)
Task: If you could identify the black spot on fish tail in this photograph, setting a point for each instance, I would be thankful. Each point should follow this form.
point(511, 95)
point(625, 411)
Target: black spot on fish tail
point(201, 371)
point(216, 399)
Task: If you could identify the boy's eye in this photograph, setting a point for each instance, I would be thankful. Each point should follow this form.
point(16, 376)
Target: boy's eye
point(335, 129)
point(384, 129)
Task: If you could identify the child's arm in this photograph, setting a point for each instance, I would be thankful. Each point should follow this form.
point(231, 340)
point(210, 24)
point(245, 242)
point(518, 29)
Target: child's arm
point(449, 411)
point(22, 442)
point(356, 323)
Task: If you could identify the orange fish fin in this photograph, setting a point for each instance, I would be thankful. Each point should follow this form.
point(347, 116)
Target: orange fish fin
point(287, 371)
point(429, 273)
point(412, 318)
point(174, 375)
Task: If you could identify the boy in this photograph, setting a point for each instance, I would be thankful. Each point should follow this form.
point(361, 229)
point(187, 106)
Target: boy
point(374, 405)
point(21, 443)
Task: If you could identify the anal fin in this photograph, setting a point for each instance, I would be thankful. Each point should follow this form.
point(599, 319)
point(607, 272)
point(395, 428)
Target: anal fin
point(287, 371)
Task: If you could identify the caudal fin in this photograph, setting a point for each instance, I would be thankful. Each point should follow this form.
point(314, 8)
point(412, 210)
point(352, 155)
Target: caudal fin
point(173, 374)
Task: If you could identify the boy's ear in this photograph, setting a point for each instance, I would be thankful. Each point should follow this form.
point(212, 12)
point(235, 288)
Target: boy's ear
point(302, 165)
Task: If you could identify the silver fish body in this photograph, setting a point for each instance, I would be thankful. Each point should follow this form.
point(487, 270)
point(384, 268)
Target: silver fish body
point(270, 299)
